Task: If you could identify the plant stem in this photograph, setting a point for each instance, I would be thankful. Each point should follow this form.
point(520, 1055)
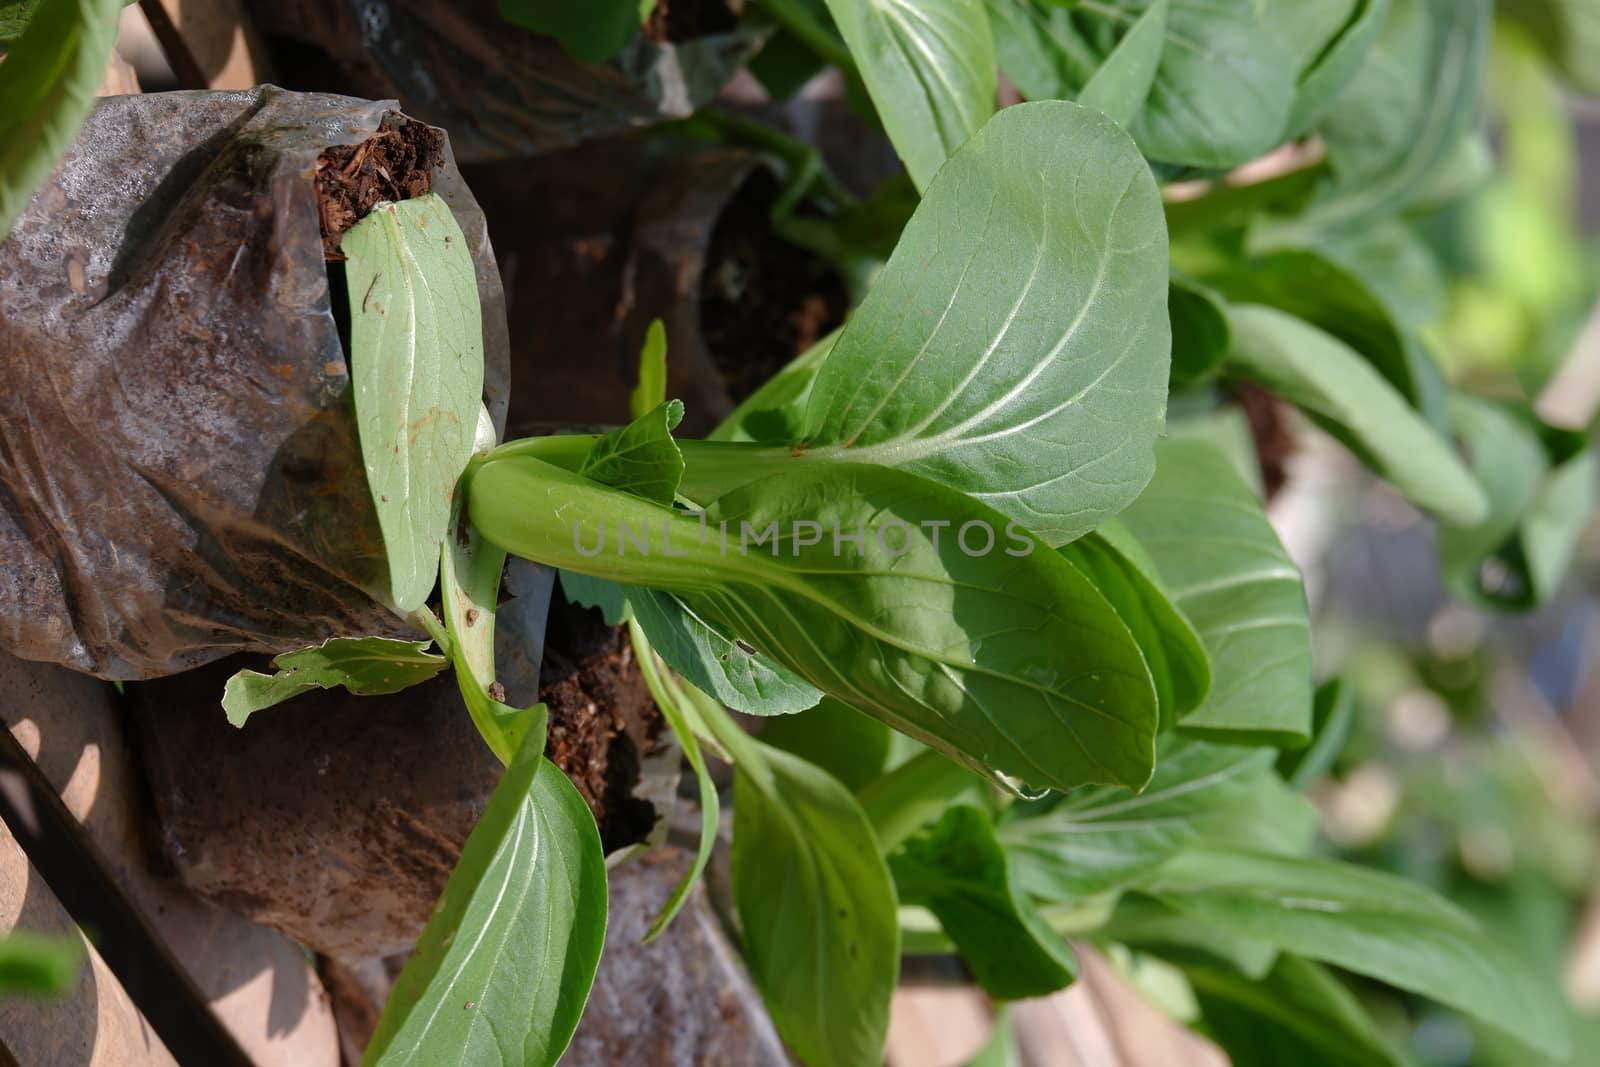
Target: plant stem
point(744, 750)
point(426, 620)
point(712, 468)
point(900, 803)
point(547, 514)
point(806, 170)
point(566, 451)
point(813, 34)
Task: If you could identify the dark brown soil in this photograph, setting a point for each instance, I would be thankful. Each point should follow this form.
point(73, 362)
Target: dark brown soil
point(1273, 436)
point(396, 163)
point(763, 301)
point(673, 21)
point(602, 718)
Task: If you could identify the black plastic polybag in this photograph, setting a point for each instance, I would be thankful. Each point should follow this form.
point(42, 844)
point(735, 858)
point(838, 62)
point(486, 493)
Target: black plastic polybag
point(503, 91)
point(179, 470)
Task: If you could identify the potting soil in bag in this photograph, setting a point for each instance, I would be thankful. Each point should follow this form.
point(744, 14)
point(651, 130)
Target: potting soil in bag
point(179, 470)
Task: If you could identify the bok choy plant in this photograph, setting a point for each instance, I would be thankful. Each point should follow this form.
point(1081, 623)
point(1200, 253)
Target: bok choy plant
point(962, 520)
point(1031, 662)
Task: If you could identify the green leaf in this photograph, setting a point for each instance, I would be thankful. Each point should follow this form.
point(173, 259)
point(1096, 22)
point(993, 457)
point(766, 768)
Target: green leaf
point(1298, 1013)
point(1307, 30)
point(1555, 521)
point(913, 794)
point(590, 30)
point(1273, 817)
point(39, 965)
point(745, 679)
point(1402, 115)
point(416, 355)
point(641, 458)
point(1221, 563)
point(736, 674)
point(1567, 31)
point(861, 580)
point(1224, 209)
point(1223, 92)
point(503, 968)
point(1517, 556)
point(1112, 560)
point(1039, 49)
point(651, 392)
point(1200, 335)
point(1121, 84)
point(1508, 460)
point(609, 598)
point(1016, 345)
point(841, 740)
point(1098, 839)
point(1000, 1050)
point(816, 907)
point(1225, 87)
point(14, 18)
point(742, 678)
point(678, 709)
point(1142, 922)
point(1006, 662)
point(366, 666)
point(1332, 719)
point(929, 67)
point(1227, 429)
point(1309, 285)
point(1325, 79)
point(1372, 923)
point(48, 82)
point(775, 413)
point(1342, 393)
point(958, 871)
point(1398, 267)
point(1367, 127)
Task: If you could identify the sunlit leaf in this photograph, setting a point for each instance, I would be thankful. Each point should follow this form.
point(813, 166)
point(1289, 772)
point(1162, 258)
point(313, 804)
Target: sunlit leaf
point(366, 666)
point(416, 364)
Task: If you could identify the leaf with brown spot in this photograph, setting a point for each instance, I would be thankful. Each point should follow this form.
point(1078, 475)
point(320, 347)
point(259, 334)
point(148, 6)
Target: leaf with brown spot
point(416, 346)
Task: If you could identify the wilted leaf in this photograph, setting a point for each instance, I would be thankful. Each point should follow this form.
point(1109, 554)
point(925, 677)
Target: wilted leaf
point(366, 666)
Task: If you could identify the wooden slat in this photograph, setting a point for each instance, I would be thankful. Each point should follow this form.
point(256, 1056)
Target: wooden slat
point(1100, 1021)
point(936, 1026)
point(211, 44)
point(259, 985)
point(96, 1025)
point(119, 79)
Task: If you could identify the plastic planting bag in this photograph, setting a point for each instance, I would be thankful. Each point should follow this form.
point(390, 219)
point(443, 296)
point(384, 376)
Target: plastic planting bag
point(179, 470)
point(505, 92)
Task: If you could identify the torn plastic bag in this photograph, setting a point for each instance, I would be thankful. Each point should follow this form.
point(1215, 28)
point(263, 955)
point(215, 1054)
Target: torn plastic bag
point(505, 92)
point(179, 470)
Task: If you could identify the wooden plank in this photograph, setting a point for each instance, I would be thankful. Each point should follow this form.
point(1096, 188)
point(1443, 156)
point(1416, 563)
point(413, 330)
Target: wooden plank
point(211, 44)
point(1102, 1021)
point(119, 78)
point(96, 1025)
point(936, 1026)
point(258, 984)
